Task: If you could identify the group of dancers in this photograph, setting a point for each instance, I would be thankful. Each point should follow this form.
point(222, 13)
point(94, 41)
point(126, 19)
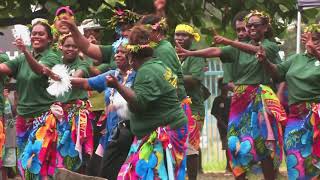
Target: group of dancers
point(154, 97)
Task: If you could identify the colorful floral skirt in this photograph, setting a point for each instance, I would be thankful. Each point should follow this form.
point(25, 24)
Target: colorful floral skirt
point(75, 134)
point(36, 142)
point(2, 141)
point(195, 123)
point(254, 130)
point(302, 141)
point(160, 155)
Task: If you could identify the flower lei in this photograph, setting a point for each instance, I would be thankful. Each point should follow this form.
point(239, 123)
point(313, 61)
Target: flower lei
point(133, 48)
point(312, 28)
point(122, 17)
point(261, 14)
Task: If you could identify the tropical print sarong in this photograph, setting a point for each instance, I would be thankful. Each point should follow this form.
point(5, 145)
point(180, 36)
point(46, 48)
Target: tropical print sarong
point(2, 140)
point(254, 130)
point(75, 133)
point(302, 141)
point(195, 123)
point(36, 142)
point(147, 156)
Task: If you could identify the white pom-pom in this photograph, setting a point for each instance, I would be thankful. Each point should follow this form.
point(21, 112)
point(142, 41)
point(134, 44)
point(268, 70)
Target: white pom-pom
point(21, 31)
point(58, 88)
point(121, 106)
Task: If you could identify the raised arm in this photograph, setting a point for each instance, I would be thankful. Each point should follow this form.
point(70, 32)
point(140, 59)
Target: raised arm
point(89, 49)
point(206, 53)
point(33, 63)
point(248, 48)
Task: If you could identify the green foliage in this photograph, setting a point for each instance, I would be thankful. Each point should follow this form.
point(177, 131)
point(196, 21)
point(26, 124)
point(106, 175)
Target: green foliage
point(204, 14)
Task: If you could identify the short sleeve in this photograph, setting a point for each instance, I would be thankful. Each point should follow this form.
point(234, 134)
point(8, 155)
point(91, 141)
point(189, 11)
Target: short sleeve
point(196, 68)
point(228, 54)
point(15, 64)
point(103, 67)
point(272, 52)
point(284, 67)
point(84, 66)
point(98, 83)
point(146, 88)
point(107, 53)
point(50, 60)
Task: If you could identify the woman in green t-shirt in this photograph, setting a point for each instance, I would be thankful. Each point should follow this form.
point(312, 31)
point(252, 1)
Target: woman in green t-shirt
point(76, 112)
point(35, 123)
point(254, 131)
point(158, 122)
point(301, 72)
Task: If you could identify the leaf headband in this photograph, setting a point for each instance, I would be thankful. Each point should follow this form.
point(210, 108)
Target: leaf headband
point(312, 28)
point(134, 48)
point(188, 29)
point(260, 14)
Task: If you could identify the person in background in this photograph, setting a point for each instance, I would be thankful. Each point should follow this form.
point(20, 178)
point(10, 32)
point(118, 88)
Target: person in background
point(114, 145)
point(164, 49)
point(193, 74)
point(92, 31)
point(58, 28)
point(251, 144)
point(160, 7)
point(239, 25)
point(220, 110)
point(3, 58)
point(10, 148)
point(75, 135)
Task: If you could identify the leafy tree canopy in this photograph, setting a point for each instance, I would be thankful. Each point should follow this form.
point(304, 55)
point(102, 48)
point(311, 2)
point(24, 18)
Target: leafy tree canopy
point(204, 14)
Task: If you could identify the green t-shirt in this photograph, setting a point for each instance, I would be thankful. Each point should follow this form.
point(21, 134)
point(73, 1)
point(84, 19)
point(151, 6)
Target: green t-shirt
point(76, 93)
point(167, 54)
point(227, 72)
point(246, 68)
point(157, 98)
point(107, 53)
point(33, 98)
point(107, 57)
point(194, 66)
point(302, 73)
point(3, 58)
